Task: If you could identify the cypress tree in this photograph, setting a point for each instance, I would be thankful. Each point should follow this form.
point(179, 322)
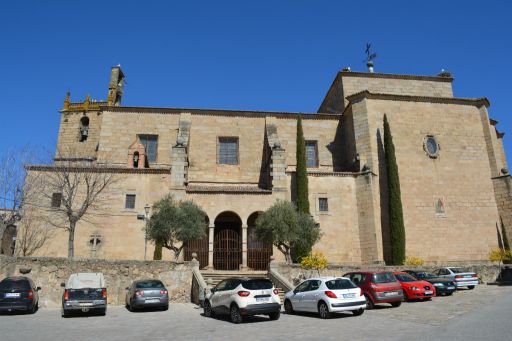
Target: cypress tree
point(299, 251)
point(396, 217)
point(506, 244)
point(302, 172)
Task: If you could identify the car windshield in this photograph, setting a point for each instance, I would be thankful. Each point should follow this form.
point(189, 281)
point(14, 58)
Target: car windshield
point(405, 278)
point(10, 284)
point(383, 277)
point(425, 275)
point(86, 293)
point(257, 284)
point(457, 270)
point(149, 285)
point(339, 283)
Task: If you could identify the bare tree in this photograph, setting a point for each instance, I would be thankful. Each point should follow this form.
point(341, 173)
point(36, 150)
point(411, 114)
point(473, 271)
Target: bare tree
point(14, 191)
point(32, 236)
point(77, 188)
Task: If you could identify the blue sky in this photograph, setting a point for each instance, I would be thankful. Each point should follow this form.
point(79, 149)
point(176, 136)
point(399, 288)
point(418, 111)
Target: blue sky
point(261, 55)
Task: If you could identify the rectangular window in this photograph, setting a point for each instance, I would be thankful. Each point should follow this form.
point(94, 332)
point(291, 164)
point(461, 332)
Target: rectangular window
point(311, 154)
point(323, 205)
point(56, 200)
point(227, 151)
point(130, 201)
point(150, 142)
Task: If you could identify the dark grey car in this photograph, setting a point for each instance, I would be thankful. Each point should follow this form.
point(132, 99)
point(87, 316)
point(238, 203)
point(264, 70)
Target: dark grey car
point(147, 293)
point(19, 294)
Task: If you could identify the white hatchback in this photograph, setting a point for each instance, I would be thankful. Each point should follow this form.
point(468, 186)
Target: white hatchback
point(325, 295)
point(241, 297)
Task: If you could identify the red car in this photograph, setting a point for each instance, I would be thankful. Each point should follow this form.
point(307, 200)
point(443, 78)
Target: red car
point(414, 288)
point(378, 287)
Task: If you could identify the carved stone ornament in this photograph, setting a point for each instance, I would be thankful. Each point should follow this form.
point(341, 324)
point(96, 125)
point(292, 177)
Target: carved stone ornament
point(431, 146)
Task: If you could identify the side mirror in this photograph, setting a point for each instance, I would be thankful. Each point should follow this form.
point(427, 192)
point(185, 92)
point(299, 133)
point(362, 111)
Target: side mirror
point(294, 291)
point(212, 290)
point(63, 284)
point(38, 288)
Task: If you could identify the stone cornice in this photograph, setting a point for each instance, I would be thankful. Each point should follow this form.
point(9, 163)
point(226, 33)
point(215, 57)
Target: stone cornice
point(98, 169)
point(204, 189)
point(326, 174)
point(500, 134)
point(394, 76)
point(406, 98)
point(219, 112)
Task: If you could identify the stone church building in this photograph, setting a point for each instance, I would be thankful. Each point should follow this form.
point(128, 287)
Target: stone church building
point(236, 163)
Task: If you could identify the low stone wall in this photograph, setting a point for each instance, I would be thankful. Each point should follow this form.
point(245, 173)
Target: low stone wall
point(293, 272)
point(49, 273)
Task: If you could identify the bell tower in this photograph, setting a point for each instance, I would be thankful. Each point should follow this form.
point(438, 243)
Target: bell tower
point(115, 86)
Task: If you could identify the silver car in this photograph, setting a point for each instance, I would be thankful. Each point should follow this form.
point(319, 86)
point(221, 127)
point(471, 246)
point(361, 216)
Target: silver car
point(460, 277)
point(147, 293)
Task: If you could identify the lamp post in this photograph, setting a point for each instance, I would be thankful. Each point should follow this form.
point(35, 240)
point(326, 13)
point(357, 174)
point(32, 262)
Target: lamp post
point(147, 208)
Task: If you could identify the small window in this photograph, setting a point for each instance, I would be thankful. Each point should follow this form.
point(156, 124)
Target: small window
point(311, 154)
point(84, 128)
point(227, 151)
point(130, 201)
point(150, 143)
point(56, 200)
point(323, 205)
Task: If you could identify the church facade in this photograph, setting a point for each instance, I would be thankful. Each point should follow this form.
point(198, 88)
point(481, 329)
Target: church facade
point(235, 164)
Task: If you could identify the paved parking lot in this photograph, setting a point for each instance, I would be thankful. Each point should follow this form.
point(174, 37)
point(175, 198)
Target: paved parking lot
point(483, 313)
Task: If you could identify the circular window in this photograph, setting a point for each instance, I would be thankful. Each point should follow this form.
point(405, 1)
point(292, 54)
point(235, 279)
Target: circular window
point(431, 146)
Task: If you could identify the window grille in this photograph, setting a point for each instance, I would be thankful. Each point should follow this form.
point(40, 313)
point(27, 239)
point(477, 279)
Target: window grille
point(56, 200)
point(311, 154)
point(150, 143)
point(323, 205)
point(130, 201)
point(227, 151)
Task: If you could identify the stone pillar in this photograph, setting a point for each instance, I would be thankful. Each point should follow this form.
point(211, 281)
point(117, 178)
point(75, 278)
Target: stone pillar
point(244, 246)
point(210, 246)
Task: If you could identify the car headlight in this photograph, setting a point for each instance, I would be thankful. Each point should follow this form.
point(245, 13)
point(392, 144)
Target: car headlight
point(438, 284)
point(415, 288)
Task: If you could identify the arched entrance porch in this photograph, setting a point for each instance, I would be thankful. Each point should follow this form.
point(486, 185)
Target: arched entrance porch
point(227, 242)
point(258, 253)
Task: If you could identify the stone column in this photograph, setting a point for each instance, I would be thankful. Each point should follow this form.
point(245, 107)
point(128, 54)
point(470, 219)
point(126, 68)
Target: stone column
point(244, 246)
point(210, 245)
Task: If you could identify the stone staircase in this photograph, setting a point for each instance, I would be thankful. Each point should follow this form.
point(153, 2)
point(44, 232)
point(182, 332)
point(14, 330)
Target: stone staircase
point(213, 278)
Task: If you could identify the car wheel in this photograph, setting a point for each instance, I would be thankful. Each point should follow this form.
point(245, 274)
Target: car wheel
point(274, 316)
point(323, 310)
point(103, 311)
point(427, 299)
point(396, 304)
point(405, 298)
point(131, 307)
point(288, 307)
point(449, 294)
point(208, 312)
point(235, 314)
point(33, 309)
point(65, 313)
point(369, 302)
point(358, 312)
point(165, 307)
point(471, 287)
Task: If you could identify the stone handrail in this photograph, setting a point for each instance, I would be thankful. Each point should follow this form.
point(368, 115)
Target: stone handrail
point(277, 278)
point(199, 286)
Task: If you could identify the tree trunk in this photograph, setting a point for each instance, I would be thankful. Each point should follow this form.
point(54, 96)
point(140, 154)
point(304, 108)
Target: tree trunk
point(71, 239)
point(177, 252)
point(288, 257)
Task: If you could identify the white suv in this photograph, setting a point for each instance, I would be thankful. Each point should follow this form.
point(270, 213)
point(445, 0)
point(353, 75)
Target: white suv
point(240, 297)
point(325, 295)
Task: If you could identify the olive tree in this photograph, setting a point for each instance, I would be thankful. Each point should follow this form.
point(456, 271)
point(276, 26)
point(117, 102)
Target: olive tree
point(286, 228)
point(173, 224)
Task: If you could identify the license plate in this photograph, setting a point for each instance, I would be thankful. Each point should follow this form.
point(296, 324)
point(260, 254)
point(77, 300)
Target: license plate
point(349, 295)
point(468, 276)
point(391, 293)
point(86, 304)
point(12, 294)
point(152, 301)
point(429, 292)
point(451, 287)
point(262, 299)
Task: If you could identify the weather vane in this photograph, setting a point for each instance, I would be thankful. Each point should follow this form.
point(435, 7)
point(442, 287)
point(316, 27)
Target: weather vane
point(369, 57)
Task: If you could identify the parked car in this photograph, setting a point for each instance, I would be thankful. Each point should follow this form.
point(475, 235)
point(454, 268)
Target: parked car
point(413, 288)
point(147, 293)
point(241, 297)
point(325, 295)
point(19, 294)
point(85, 292)
point(459, 276)
point(444, 286)
point(378, 287)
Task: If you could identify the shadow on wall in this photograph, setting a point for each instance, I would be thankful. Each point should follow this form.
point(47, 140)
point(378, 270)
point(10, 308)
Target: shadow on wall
point(343, 148)
point(384, 203)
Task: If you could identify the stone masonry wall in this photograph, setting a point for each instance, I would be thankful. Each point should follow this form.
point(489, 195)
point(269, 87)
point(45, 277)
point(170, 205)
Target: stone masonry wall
point(503, 193)
point(49, 273)
point(294, 273)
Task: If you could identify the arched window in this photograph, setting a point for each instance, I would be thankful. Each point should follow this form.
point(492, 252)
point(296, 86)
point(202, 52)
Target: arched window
point(136, 159)
point(84, 128)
